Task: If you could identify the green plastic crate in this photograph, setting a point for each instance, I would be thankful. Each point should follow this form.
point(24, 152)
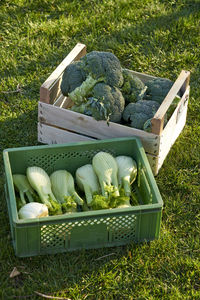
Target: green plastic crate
point(82, 230)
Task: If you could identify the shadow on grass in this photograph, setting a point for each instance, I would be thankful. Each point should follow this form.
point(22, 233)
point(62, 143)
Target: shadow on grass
point(157, 36)
point(20, 131)
point(139, 38)
point(134, 32)
point(14, 132)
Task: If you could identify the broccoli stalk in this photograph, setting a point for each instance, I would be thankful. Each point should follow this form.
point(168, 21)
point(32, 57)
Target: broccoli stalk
point(105, 103)
point(79, 94)
point(93, 107)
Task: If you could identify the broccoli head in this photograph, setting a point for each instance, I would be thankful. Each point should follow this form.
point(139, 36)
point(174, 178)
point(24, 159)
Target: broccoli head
point(133, 89)
point(138, 113)
point(106, 103)
point(73, 77)
point(104, 66)
point(79, 78)
point(157, 89)
point(112, 98)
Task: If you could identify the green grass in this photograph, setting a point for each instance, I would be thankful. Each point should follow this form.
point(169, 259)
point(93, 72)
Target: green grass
point(160, 38)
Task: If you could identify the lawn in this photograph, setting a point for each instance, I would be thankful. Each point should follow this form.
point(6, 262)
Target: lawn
point(160, 38)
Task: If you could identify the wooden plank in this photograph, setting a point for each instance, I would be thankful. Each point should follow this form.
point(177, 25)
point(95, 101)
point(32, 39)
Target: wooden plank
point(50, 95)
point(186, 84)
point(59, 101)
point(158, 119)
point(52, 135)
point(67, 103)
point(82, 124)
point(153, 161)
point(50, 87)
point(63, 102)
point(173, 128)
point(54, 90)
point(157, 125)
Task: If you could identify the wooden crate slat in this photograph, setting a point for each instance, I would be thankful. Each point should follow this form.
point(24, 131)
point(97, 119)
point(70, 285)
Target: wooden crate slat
point(173, 128)
point(153, 161)
point(52, 135)
point(59, 101)
point(54, 91)
point(158, 119)
point(86, 125)
point(51, 86)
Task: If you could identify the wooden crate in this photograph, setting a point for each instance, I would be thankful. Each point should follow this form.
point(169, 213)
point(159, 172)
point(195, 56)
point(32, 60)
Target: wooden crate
point(57, 124)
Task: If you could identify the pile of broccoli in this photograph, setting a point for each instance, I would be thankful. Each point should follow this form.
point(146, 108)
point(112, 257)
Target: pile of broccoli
point(93, 84)
point(99, 87)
